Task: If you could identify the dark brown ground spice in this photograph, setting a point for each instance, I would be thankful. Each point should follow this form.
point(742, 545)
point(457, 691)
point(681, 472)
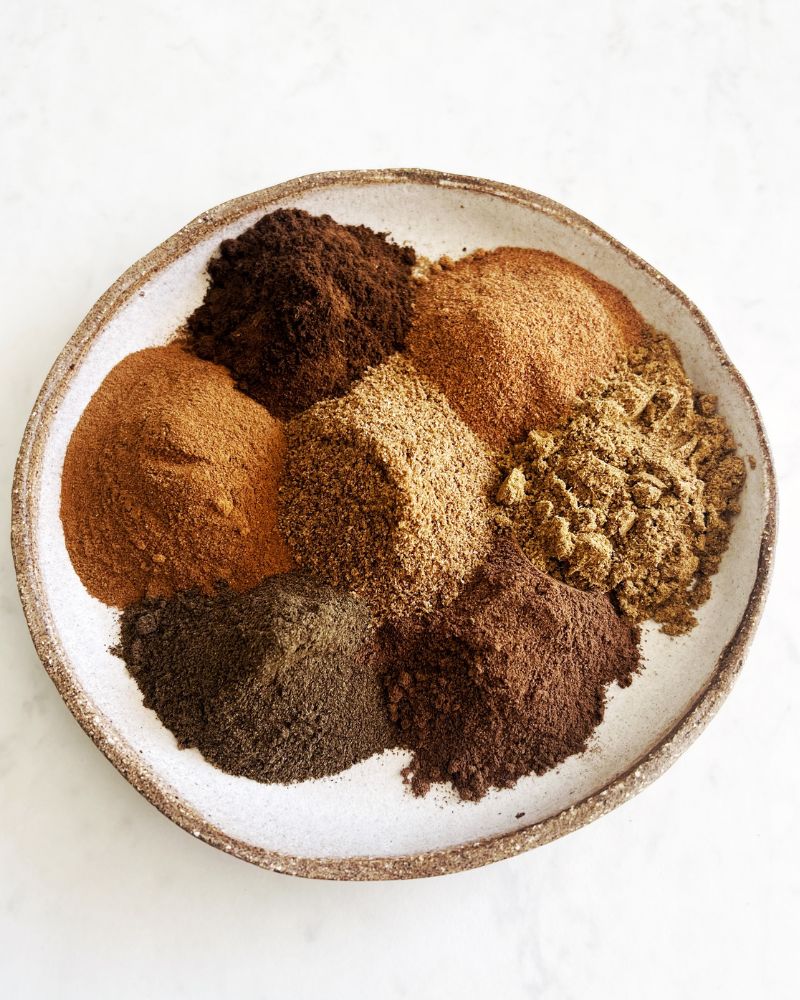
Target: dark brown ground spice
point(274, 684)
point(509, 680)
point(298, 306)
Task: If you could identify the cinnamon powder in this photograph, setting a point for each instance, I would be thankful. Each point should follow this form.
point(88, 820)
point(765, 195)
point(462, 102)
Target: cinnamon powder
point(170, 481)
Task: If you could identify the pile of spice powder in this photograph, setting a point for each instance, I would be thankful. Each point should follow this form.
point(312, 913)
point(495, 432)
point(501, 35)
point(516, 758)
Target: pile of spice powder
point(276, 684)
point(385, 492)
point(299, 306)
point(170, 481)
point(509, 680)
point(635, 494)
point(511, 336)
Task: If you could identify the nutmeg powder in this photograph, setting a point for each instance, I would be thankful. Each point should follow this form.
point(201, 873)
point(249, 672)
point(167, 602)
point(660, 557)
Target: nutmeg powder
point(512, 335)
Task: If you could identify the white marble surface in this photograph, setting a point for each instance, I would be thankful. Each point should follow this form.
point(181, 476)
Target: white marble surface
point(674, 126)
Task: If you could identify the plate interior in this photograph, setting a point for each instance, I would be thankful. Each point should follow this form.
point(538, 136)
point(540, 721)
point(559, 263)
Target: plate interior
point(366, 811)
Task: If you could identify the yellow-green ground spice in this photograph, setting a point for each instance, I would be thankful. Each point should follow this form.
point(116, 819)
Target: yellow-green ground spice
point(634, 494)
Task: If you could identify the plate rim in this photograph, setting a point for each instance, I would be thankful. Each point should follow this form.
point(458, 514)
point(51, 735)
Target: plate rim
point(101, 729)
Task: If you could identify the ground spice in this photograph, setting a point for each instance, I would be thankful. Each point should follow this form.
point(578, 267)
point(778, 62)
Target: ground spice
point(635, 493)
point(299, 306)
point(512, 336)
point(385, 492)
point(170, 481)
point(508, 680)
point(274, 684)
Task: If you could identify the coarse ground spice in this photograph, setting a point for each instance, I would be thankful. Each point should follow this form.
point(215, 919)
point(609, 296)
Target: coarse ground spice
point(509, 680)
point(170, 481)
point(511, 336)
point(385, 492)
point(274, 684)
point(635, 494)
point(299, 306)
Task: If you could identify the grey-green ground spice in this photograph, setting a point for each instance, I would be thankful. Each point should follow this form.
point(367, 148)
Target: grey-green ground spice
point(385, 492)
point(276, 684)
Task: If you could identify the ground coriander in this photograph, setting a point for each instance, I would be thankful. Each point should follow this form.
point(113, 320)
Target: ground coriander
point(634, 494)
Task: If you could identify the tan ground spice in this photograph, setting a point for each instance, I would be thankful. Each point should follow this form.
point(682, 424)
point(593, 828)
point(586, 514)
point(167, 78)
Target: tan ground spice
point(385, 492)
point(635, 494)
point(511, 336)
point(170, 481)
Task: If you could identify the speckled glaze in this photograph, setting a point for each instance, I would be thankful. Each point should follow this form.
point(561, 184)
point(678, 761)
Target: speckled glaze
point(125, 758)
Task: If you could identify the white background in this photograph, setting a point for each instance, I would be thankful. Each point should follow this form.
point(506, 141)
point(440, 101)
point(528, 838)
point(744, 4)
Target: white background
point(674, 126)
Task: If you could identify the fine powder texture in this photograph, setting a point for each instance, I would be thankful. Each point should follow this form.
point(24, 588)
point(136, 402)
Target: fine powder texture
point(511, 336)
point(274, 684)
point(299, 306)
point(385, 492)
point(170, 481)
point(508, 680)
point(635, 494)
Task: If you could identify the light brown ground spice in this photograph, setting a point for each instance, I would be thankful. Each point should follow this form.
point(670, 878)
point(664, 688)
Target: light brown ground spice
point(635, 494)
point(511, 336)
point(385, 492)
point(170, 481)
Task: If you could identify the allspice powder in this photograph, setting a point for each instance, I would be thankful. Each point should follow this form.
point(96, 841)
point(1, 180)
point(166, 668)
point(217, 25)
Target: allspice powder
point(170, 481)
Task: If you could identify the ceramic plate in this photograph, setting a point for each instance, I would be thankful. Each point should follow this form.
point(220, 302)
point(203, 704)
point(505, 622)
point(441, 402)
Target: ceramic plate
point(364, 823)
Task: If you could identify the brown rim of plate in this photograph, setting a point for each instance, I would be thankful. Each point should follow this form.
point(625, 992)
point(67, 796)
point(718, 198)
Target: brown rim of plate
point(127, 761)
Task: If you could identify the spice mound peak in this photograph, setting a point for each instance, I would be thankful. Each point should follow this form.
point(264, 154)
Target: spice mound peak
point(170, 481)
point(635, 494)
point(508, 680)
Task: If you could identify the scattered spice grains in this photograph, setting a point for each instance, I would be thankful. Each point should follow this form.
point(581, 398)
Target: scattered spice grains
point(299, 306)
point(385, 492)
point(511, 337)
point(635, 494)
point(170, 481)
point(275, 684)
point(509, 680)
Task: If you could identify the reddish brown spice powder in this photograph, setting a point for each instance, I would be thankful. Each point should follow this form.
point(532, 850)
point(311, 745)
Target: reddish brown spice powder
point(509, 680)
